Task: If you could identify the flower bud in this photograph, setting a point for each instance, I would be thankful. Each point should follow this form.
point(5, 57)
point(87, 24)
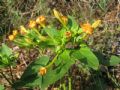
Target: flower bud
point(11, 37)
point(15, 32)
point(68, 34)
point(64, 20)
point(42, 71)
point(57, 14)
point(41, 20)
point(23, 30)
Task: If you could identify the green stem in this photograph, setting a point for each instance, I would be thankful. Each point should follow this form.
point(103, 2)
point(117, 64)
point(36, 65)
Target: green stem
point(5, 78)
point(63, 85)
point(54, 59)
point(40, 36)
point(70, 83)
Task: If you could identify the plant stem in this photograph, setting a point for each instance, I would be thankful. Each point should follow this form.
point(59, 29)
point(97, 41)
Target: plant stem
point(54, 59)
point(40, 36)
point(70, 83)
point(63, 85)
point(6, 78)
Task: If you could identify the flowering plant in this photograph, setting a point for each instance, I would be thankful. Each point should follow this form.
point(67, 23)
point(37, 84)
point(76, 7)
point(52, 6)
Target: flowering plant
point(66, 43)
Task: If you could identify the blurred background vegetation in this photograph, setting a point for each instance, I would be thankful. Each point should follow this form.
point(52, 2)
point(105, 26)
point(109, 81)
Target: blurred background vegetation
point(106, 39)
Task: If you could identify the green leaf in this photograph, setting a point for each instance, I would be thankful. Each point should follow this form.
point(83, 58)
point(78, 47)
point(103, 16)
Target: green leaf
point(4, 60)
point(80, 30)
point(101, 58)
point(2, 87)
point(53, 34)
point(77, 55)
point(30, 82)
point(5, 55)
point(114, 60)
point(73, 24)
point(90, 58)
point(5, 50)
point(63, 57)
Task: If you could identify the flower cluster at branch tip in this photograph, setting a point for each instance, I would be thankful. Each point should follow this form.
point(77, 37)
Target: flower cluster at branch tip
point(42, 71)
point(41, 20)
point(88, 28)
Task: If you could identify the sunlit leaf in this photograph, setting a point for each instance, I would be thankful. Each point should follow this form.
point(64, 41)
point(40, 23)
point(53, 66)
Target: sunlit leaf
point(114, 60)
point(90, 57)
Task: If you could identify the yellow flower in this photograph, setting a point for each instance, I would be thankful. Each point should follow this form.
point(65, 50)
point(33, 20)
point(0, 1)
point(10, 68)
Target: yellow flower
point(68, 34)
point(15, 32)
point(11, 37)
point(41, 20)
point(42, 71)
point(87, 28)
point(32, 24)
point(23, 30)
point(96, 24)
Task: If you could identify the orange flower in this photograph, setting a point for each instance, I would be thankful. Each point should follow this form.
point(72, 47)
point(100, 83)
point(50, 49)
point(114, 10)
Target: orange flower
point(64, 20)
point(23, 30)
point(68, 34)
point(15, 32)
point(32, 24)
point(87, 28)
point(42, 71)
point(41, 20)
point(11, 37)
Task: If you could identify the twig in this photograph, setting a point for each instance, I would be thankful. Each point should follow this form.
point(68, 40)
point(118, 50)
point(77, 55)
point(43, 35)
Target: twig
point(6, 78)
point(11, 73)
